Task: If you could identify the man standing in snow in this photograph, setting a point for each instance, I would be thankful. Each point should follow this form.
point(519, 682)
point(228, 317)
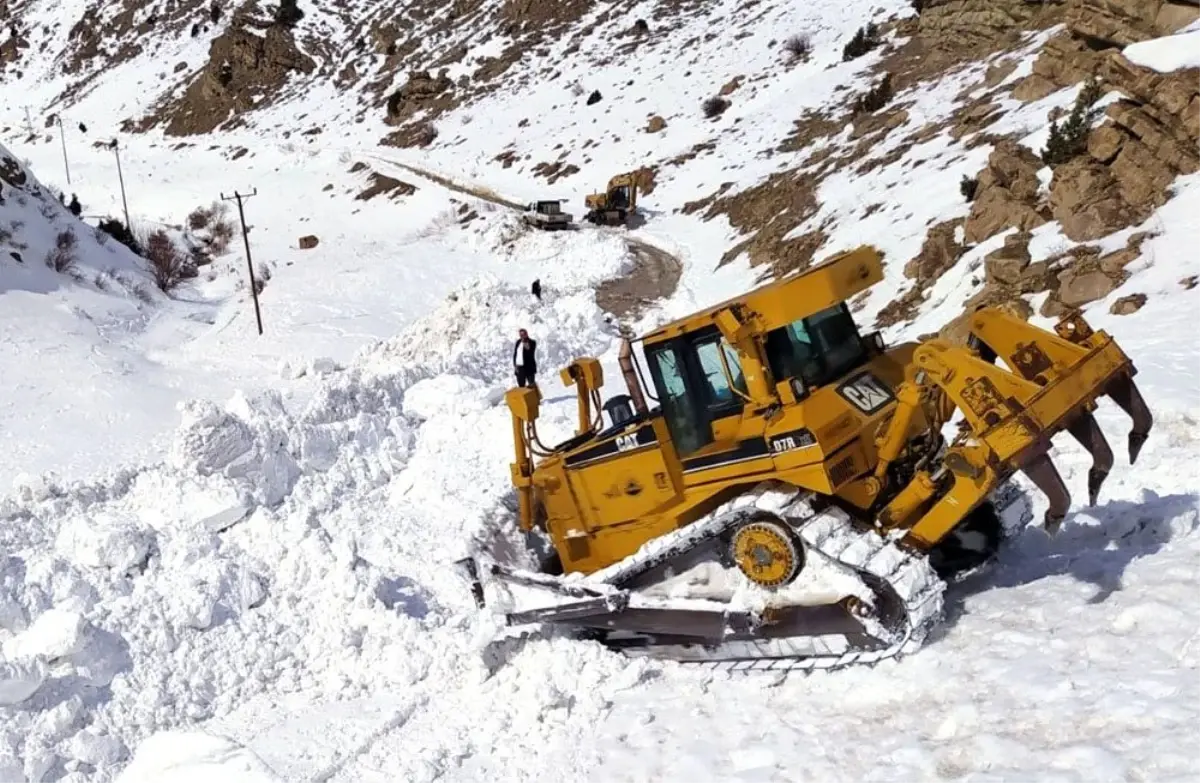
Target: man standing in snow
point(524, 359)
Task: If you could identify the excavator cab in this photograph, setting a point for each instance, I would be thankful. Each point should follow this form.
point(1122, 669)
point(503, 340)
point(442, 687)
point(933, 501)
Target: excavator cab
point(615, 205)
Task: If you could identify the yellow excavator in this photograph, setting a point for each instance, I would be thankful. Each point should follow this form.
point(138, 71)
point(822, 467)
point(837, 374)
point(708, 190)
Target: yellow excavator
point(798, 495)
point(616, 204)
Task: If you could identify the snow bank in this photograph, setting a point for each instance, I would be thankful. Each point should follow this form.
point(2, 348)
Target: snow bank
point(33, 221)
point(195, 757)
point(1170, 53)
point(272, 551)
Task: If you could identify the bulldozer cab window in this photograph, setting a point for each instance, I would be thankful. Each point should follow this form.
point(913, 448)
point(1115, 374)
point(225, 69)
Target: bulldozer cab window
point(817, 349)
point(720, 393)
point(618, 198)
point(690, 429)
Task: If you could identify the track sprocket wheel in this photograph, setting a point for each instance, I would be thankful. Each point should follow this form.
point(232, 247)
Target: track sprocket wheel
point(766, 553)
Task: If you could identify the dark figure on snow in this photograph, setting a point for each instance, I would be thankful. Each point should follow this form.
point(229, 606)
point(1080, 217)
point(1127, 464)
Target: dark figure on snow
point(537, 289)
point(525, 359)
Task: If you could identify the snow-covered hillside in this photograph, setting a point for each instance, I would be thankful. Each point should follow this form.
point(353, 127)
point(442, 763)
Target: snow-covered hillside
point(243, 571)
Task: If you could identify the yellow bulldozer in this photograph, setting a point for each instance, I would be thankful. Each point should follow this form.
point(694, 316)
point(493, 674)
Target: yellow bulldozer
point(616, 204)
point(789, 493)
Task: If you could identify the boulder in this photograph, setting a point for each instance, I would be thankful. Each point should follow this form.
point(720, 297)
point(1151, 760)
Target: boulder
point(308, 242)
point(940, 251)
point(656, 124)
point(1086, 199)
point(1127, 305)
point(1007, 265)
point(1084, 283)
point(1007, 195)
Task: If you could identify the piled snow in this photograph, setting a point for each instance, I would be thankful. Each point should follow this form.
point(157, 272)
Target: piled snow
point(209, 570)
point(1172, 53)
point(194, 757)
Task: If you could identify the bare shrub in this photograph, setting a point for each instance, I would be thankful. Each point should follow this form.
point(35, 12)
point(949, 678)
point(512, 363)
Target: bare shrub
point(714, 106)
point(220, 235)
point(199, 218)
point(167, 263)
point(62, 257)
point(797, 48)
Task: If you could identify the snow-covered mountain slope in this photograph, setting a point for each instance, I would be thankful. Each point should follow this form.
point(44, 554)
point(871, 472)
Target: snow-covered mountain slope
point(378, 264)
point(277, 574)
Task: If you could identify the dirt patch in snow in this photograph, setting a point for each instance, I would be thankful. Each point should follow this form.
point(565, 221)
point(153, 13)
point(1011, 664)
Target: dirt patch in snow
point(655, 276)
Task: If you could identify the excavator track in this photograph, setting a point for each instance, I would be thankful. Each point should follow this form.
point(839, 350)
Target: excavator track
point(905, 603)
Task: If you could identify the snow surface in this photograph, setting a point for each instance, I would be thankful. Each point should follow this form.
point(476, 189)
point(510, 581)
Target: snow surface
point(1164, 55)
point(265, 592)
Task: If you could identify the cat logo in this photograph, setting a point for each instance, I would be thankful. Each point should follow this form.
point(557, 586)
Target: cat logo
point(866, 393)
point(627, 442)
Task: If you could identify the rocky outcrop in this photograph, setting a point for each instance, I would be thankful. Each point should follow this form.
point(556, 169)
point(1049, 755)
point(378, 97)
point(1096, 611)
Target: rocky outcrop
point(959, 22)
point(1063, 61)
point(1094, 26)
point(420, 92)
point(1132, 160)
point(940, 251)
point(1007, 193)
point(244, 71)
point(1122, 22)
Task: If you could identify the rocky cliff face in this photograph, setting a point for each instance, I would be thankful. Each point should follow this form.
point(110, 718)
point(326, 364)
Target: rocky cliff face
point(1146, 138)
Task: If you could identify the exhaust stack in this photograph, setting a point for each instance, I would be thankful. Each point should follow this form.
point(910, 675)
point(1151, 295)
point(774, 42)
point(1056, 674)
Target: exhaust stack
point(629, 372)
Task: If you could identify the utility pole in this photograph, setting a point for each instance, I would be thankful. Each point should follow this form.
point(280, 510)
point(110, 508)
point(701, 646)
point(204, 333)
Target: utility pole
point(63, 138)
point(121, 177)
point(246, 239)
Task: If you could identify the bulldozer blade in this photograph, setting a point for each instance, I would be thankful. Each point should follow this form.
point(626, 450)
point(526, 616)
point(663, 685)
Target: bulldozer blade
point(668, 625)
point(1045, 476)
point(1124, 392)
point(1085, 430)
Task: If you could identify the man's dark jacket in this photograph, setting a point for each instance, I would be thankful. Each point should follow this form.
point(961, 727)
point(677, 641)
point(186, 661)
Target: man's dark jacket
point(530, 362)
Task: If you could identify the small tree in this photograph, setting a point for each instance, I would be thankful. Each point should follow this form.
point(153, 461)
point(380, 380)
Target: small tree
point(967, 186)
point(1068, 140)
point(120, 232)
point(877, 97)
point(866, 39)
point(288, 13)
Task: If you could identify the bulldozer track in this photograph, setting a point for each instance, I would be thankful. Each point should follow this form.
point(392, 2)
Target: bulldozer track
point(907, 575)
point(655, 275)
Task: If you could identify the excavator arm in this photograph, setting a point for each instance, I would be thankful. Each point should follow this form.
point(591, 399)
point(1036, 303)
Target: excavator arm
point(1010, 417)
